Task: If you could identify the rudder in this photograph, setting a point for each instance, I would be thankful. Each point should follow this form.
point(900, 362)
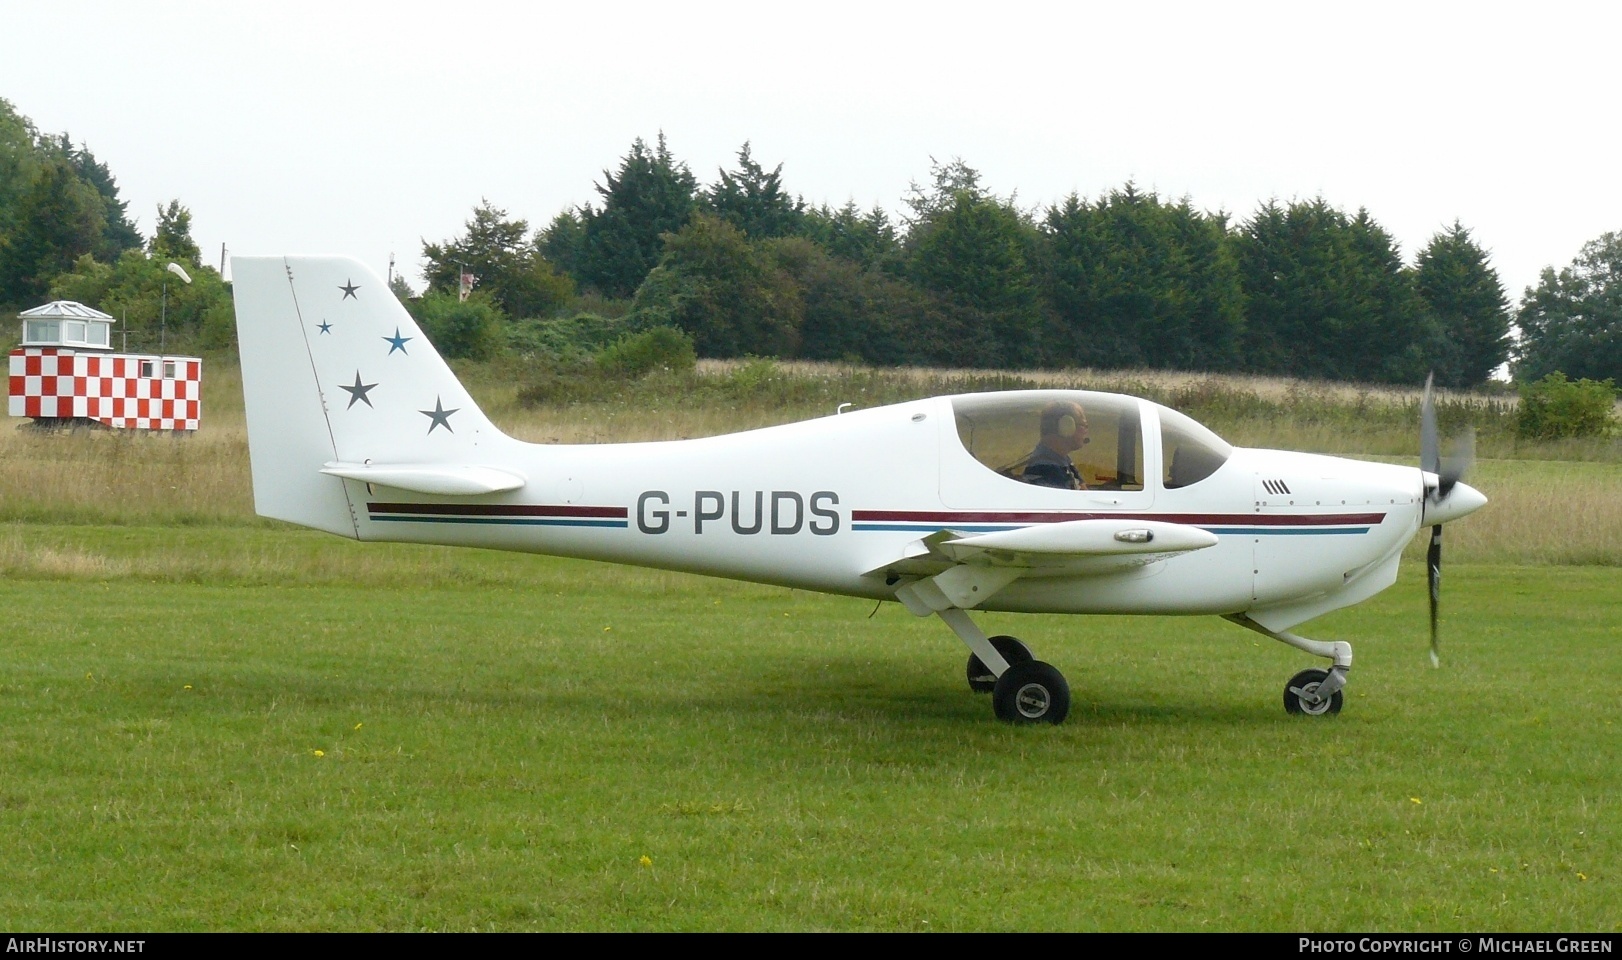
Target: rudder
point(334, 372)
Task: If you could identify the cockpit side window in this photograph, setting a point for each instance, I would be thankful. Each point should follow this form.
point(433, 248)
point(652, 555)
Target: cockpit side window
point(1055, 438)
point(1189, 452)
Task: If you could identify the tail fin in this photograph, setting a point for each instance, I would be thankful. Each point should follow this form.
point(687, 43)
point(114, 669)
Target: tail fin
point(339, 381)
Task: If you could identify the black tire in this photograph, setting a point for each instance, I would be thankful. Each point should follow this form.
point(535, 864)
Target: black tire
point(1307, 682)
point(1031, 692)
point(981, 679)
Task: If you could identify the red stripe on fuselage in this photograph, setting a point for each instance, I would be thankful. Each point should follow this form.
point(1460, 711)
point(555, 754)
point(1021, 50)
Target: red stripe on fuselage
point(499, 510)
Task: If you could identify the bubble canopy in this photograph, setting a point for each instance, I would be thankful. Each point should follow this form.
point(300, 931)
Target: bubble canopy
point(1029, 436)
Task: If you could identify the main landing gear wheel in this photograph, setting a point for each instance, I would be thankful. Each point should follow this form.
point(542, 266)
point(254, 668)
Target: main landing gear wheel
point(1301, 695)
point(981, 679)
point(1031, 692)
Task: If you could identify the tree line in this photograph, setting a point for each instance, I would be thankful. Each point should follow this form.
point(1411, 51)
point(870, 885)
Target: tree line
point(959, 276)
point(964, 277)
point(65, 234)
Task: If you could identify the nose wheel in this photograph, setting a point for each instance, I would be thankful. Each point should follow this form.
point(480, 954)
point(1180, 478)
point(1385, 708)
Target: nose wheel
point(1309, 692)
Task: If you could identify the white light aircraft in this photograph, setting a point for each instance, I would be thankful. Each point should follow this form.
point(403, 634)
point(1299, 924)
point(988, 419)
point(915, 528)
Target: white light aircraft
point(1051, 501)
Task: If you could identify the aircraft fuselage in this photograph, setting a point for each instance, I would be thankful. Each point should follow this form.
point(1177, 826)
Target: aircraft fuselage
point(824, 504)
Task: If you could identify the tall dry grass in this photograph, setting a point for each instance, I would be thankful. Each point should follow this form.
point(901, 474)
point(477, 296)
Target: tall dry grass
point(1539, 512)
point(131, 476)
point(216, 554)
point(126, 476)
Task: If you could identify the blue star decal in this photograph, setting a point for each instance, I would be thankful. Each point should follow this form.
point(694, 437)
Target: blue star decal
point(349, 289)
point(398, 342)
point(439, 415)
point(325, 327)
point(359, 391)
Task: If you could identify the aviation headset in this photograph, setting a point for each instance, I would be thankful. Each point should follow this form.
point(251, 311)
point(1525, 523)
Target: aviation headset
point(1064, 424)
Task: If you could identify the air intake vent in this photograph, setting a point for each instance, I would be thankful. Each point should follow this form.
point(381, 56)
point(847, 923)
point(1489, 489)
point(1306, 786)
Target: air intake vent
point(1276, 487)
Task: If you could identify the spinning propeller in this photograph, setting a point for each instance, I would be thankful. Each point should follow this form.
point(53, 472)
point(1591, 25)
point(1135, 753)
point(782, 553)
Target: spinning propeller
point(1440, 476)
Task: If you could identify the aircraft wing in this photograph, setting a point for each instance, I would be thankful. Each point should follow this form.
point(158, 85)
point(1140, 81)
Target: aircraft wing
point(968, 569)
point(1126, 542)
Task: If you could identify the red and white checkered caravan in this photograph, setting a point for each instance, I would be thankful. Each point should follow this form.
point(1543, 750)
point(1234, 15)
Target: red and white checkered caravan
point(64, 372)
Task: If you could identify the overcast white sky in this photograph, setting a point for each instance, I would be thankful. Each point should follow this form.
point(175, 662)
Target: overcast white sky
point(357, 128)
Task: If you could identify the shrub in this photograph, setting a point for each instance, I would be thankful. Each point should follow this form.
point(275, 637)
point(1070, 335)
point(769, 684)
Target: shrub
point(618, 372)
point(1555, 408)
point(469, 329)
point(581, 334)
point(639, 354)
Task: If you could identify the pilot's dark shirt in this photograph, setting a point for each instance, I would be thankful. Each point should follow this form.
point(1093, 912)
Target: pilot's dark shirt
point(1050, 468)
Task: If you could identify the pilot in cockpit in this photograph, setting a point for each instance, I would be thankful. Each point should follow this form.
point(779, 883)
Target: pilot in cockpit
point(1063, 431)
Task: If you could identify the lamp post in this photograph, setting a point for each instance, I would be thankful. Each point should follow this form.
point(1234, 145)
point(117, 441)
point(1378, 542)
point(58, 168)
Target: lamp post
point(163, 316)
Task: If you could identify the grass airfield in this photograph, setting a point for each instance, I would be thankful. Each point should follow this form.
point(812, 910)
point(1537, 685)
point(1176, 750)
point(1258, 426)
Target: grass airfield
point(213, 722)
point(464, 740)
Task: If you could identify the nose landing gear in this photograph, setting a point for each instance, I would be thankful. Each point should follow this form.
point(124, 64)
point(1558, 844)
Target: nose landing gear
point(1310, 693)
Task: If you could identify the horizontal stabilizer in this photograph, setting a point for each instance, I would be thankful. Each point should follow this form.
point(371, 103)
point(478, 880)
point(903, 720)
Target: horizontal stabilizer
point(436, 478)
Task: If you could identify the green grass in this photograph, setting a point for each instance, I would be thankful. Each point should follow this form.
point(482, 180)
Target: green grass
point(212, 721)
point(503, 739)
